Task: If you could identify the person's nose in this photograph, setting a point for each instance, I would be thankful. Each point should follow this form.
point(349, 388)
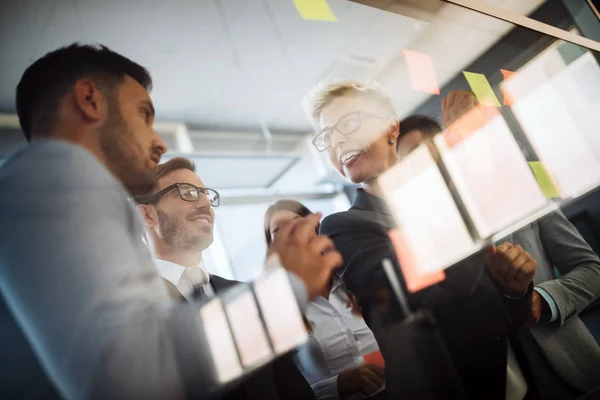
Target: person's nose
point(159, 144)
point(203, 202)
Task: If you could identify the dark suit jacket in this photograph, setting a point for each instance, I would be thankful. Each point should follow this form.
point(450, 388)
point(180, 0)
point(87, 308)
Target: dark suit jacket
point(279, 380)
point(470, 312)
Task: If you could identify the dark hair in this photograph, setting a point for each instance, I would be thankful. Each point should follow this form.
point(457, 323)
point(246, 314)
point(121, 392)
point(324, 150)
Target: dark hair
point(164, 169)
point(427, 125)
point(287, 205)
point(45, 82)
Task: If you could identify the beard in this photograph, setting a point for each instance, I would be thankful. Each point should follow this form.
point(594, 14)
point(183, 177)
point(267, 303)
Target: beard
point(172, 232)
point(124, 156)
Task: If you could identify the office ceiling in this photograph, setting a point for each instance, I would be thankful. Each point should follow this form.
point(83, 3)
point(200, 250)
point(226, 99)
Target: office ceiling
point(230, 64)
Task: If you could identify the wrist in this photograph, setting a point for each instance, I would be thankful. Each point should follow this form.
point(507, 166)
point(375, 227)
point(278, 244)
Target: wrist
point(515, 294)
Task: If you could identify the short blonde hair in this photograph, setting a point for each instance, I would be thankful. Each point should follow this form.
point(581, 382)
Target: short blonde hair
point(323, 93)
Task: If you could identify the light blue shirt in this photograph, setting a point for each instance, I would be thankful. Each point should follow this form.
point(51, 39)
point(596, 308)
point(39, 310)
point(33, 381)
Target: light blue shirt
point(340, 340)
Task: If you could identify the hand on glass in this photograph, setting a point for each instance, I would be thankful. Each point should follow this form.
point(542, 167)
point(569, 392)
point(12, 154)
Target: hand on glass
point(512, 267)
point(305, 253)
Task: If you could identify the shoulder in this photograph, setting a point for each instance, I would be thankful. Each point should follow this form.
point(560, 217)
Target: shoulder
point(55, 176)
point(339, 220)
point(349, 221)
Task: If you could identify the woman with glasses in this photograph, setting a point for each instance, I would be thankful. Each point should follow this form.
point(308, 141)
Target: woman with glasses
point(333, 360)
point(358, 128)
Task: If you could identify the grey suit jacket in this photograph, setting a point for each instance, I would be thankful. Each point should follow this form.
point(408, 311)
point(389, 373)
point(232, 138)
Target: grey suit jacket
point(567, 344)
point(79, 292)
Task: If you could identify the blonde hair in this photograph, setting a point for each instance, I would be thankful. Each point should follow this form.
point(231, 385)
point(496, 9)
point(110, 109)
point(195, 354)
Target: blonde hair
point(323, 94)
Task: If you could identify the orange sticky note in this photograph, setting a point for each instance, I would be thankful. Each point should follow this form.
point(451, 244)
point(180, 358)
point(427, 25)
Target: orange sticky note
point(422, 72)
point(414, 279)
point(482, 89)
point(375, 358)
point(315, 10)
point(508, 100)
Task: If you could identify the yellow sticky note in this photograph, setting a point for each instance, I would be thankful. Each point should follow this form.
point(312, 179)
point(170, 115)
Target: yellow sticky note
point(315, 10)
point(482, 89)
point(544, 179)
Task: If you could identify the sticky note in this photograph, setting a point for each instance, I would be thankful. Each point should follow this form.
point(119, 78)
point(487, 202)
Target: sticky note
point(508, 99)
point(220, 341)
point(421, 72)
point(375, 358)
point(280, 310)
point(248, 330)
point(482, 89)
point(414, 278)
point(315, 10)
point(544, 179)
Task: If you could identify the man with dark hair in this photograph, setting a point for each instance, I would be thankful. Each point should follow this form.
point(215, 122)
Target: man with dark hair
point(80, 299)
point(413, 130)
point(179, 221)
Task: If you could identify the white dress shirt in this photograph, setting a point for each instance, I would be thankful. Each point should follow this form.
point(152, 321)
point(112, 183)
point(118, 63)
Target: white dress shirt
point(185, 278)
point(340, 340)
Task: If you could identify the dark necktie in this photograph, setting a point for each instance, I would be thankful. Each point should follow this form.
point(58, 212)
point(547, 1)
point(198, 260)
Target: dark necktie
point(198, 293)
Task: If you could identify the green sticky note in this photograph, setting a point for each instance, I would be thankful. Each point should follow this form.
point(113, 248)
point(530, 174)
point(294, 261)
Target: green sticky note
point(315, 10)
point(482, 89)
point(544, 179)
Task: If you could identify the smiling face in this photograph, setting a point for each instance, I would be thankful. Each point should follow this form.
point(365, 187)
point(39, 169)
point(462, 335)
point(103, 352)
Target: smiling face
point(182, 224)
point(366, 153)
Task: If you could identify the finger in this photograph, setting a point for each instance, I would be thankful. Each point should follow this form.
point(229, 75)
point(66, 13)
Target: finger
point(332, 259)
point(512, 253)
point(322, 244)
point(515, 268)
point(503, 247)
point(368, 388)
point(377, 369)
point(306, 228)
point(374, 378)
point(371, 382)
point(285, 233)
point(498, 265)
point(527, 271)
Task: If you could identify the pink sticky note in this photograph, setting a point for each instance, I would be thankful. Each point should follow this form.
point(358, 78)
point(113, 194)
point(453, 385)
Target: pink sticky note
point(422, 72)
point(414, 278)
point(508, 99)
point(375, 358)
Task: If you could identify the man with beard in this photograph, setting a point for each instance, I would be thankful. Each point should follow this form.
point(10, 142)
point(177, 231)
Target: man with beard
point(83, 313)
point(179, 220)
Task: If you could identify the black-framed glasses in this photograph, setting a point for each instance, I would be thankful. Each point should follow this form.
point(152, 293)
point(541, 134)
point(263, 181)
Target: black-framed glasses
point(346, 125)
point(186, 191)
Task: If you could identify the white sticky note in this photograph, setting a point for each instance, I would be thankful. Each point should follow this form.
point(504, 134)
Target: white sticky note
point(431, 231)
point(248, 331)
point(280, 310)
point(222, 347)
point(501, 193)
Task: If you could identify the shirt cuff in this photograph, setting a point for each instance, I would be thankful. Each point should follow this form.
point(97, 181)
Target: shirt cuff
point(551, 303)
point(327, 388)
point(298, 286)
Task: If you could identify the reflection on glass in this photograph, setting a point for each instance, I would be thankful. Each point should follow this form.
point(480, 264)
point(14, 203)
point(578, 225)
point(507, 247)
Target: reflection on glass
point(557, 102)
point(431, 233)
point(491, 176)
point(248, 331)
point(218, 336)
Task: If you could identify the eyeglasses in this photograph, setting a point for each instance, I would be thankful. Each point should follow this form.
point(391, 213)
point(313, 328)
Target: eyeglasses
point(186, 191)
point(346, 125)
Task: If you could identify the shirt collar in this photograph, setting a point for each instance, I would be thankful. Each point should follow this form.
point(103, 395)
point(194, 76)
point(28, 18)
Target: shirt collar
point(173, 272)
point(368, 202)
